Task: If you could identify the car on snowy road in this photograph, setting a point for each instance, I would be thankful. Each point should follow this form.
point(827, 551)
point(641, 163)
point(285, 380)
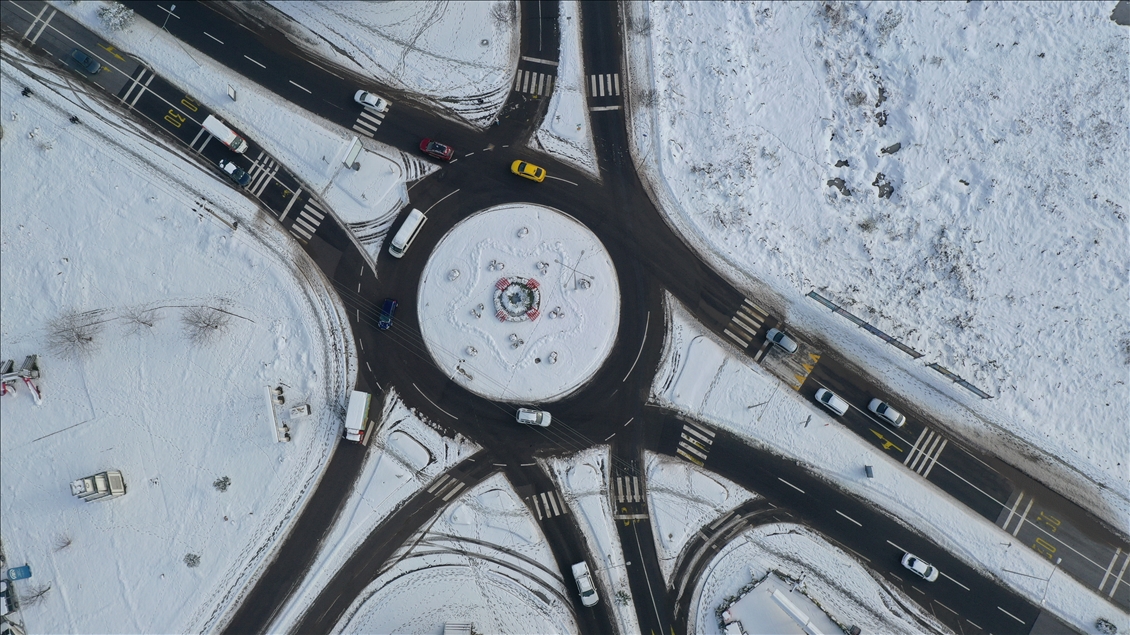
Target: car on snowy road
point(370, 100)
point(884, 410)
point(831, 401)
point(436, 149)
point(584, 584)
point(86, 62)
point(533, 417)
point(784, 342)
point(388, 309)
point(528, 171)
point(235, 172)
point(922, 569)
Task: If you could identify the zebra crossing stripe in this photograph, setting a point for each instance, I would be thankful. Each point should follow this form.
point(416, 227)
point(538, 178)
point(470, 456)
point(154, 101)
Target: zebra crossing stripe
point(741, 318)
point(921, 451)
point(703, 433)
point(293, 200)
point(740, 341)
point(748, 328)
point(934, 460)
point(301, 232)
point(458, 486)
point(442, 479)
point(689, 457)
point(693, 447)
point(928, 454)
point(914, 449)
point(313, 209)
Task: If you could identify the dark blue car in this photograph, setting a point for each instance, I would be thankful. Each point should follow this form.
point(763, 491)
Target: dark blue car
point(387, 311)
point(85, 61)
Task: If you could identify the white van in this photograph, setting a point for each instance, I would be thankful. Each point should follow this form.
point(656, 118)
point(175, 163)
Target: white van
point(407, 233)
point(217, 129)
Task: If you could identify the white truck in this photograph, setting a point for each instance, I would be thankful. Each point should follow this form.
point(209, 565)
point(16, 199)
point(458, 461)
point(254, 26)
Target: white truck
point(357, 417)
point(219, 130)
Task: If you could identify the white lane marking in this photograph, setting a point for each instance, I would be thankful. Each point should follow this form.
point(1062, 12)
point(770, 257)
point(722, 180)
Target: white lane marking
point(1110, 567)
point(1011, 615)
point(213, 37)
point(257, 63)
point(1012, 512)
point(539, 60)
point(954, 581)
point(1118, 580)
point(945, 607)
point(849, 518)
point(433, 403)
point(557, 178)
point(974, 624)
point(642, 341)
point(1020, 523)
point(790, 484)
point(300, 86)
point(897, 547)
point(439, 201)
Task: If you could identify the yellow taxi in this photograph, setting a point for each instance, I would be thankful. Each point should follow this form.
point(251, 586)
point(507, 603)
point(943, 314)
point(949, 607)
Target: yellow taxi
point(528, 171)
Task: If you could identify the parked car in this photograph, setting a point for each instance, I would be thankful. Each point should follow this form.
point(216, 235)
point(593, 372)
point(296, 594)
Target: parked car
point(371, 101)
point(235, 172)
point(528, 171)
point(86, 62)
point(436, 149)
point(831, 401)
point(534, 417)
point(584, 584)
point(884, 410)
point(785, 342)
point(388, 309)
point(922, 569)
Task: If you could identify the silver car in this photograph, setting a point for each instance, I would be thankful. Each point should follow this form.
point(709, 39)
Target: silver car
point(534, 417)
point(785, 342)
point(884, 410)
point(831, 401)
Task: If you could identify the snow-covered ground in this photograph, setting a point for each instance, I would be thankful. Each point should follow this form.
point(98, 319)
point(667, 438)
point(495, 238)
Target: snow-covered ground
point(482, 561)
point(405, 456)
point(1000, 255)
point(180, 328)
point(582, 479)
point(835, 454)
point(565, 131)
point(312, 148)
point(460, 55)
point(845, 590)
point(682, 498)
point(519, 303)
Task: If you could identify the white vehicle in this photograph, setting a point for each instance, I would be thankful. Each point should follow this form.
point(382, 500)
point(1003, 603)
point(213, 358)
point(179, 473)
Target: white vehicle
point(881, 408)
point(219, 130)
point(924, 570)
point(584, 584)
point(831, 401)
point(785, 342)
point(407, 233)
point(534, 417)
point(357, 417)
point(370, 100)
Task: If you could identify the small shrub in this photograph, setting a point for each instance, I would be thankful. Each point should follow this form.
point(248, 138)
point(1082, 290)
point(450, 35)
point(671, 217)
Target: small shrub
point(222, 484)
point(191, 559)
point(116, 16)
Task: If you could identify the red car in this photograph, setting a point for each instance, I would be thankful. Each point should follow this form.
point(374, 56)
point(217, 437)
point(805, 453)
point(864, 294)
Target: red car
point(436, 149)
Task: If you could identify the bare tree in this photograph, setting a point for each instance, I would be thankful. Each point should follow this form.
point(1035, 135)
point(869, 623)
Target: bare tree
point(503, 14)
point(34, 595)
point(62, 542)
point(140, 319)
point(202, 324)
point(73, 334)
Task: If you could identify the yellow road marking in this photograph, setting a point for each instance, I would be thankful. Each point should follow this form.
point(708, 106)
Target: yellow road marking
point(887, 445)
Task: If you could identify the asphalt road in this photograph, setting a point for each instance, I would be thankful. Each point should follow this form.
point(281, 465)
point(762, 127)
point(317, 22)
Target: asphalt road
point(649, 259)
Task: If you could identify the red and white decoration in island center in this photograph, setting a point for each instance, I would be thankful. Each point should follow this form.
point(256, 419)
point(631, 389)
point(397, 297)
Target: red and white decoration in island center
point(516, 299)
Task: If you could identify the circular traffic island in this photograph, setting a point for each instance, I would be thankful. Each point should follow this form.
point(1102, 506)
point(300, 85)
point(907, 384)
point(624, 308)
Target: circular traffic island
point(519, 303)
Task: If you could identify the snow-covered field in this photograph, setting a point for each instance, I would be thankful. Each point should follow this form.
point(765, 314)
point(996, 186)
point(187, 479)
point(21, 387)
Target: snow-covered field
point(792, 426)
point(482, 561)
point(1001, 253)
point(460, 55)
point(519, 303)
point(160, 331)
point(682, 498)
point(405, 455)
point(844, 589)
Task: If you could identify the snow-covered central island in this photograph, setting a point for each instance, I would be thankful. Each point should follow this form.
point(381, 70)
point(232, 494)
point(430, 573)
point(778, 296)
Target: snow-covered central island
point(520, 303)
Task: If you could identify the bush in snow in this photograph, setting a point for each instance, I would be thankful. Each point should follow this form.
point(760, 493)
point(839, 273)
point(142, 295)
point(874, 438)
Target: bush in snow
point(140, 319)
point(34, 595)
point(203, 323)
point(191, 559)
point(115, 16)
point(1106, 627)
point(504, 13)
point(62, 542)
point(222, 484)
point(74, 334)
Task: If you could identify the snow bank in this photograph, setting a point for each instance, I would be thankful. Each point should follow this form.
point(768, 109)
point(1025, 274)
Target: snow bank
point(405, 456)
point(460, 55)
point(682, 498)
point(101, 222)
point(835, 454)
point(482, 561)
point(1001, 253)
point(582, 479)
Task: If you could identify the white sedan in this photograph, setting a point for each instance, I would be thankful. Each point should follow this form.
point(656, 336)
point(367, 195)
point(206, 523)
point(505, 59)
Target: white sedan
point(370, 100)
point(534, 417)
point(922, 569)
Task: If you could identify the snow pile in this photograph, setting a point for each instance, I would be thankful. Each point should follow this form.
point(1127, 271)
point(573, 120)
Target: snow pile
point(313, 149)
point(582, 479)
point(519, 303)
point(835, 454)
point(181, 328)
point(1001, 253)
point(682, 498)
point(405, 455)
point(844, 589)
point(565, 131)
point(483, 561)
point(459, 54)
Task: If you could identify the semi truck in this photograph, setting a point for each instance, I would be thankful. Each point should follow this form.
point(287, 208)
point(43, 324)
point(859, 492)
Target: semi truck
point(219, 130)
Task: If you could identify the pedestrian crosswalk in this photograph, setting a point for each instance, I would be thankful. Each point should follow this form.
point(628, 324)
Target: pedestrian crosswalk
point(548, 504)
point(604, 85)
point(446, 486)
point(533, 83)
point(308, 220)
point(368, 121)
point(744, 324)
point(626, 489)
point(694, 442)
point(262, 171)
point(923, 456)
